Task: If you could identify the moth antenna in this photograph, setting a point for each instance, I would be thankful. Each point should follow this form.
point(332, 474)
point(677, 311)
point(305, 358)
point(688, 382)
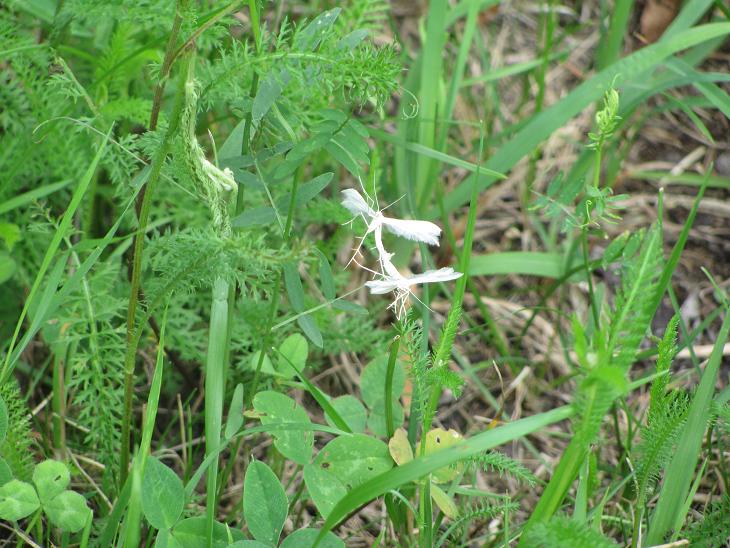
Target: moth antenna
point(393, 203)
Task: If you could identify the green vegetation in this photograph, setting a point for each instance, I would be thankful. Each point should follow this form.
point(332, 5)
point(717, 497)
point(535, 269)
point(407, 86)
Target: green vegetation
point(205, 342)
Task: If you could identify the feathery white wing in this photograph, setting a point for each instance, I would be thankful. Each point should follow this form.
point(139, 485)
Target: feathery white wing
point(434, 276)
point(398, 282)
point(418, 231)
point(356, 204)
point(381, 287)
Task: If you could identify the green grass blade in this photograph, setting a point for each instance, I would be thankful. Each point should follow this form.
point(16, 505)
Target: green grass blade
point(52, 299)
point(434, 154)
point(679, 472)
point(63, 227)
point(31, 195)
point(673, 260)
point(544, 124)
point(422, 466)
point(134, 514)
point(530, 263)
point(512, 70)
point(462, 9)
point(690, 179)
point(610, 49)
point(691, 12)
point(429, 86)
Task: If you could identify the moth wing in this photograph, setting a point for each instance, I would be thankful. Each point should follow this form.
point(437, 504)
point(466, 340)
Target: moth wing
point(355, 203)
point(381, 287)
point(417, 231)
point(434, 276)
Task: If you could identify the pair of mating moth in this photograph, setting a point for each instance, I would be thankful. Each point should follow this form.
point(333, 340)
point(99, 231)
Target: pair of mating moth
point(390, 279)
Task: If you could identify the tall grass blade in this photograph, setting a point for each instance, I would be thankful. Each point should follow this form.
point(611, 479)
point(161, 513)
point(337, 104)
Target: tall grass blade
point(681, 468)
point(540, 127)
point(422, 466)
point(58, 236)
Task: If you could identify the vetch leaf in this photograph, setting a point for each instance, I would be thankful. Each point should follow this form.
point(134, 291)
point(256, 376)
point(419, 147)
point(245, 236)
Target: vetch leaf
point(270, 89)
point(68, 511)
point(295, 349)
point(163, 495)
point(311, 330)
point(326, 280)
point(233, 145)
point(51, 478)
point(294, 288)
point(263, 215)
point(311, 35)
point(324, 488)
point(265, 505)
point(295, 445)
point(17, 500)
point(354, 458)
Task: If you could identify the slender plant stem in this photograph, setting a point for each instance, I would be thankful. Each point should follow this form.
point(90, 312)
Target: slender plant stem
point(144, 214)
point(166, 66)
point(394, 347)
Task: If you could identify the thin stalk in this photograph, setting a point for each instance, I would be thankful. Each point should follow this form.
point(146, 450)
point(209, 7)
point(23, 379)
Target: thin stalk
point(394, 347)
point(144, 215)
point(215, 386)
point(59, 399)
point(442, 353)
point(266, 337)
point(239, 206)
point(548, 29)
point(166, 66)
point(589, 277)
